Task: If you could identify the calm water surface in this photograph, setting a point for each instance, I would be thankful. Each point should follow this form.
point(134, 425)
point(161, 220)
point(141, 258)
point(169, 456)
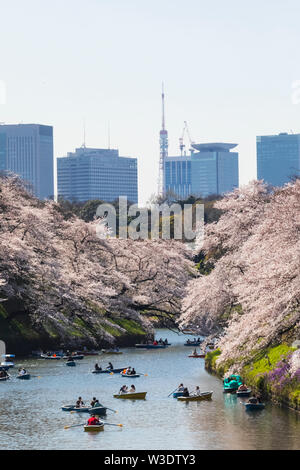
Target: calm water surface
point(31, 416)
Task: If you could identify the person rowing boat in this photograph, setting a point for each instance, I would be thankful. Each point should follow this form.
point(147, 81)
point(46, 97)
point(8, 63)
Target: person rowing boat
point(79, 403)
point(94, 421)
point(132, 389)
point(110, 366)
point(185, 392)
point(95, 403)
point(3, 374)
point(123, 389)
point(97, 367)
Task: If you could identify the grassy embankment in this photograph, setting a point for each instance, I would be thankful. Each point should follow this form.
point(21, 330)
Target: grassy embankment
point(266, 374)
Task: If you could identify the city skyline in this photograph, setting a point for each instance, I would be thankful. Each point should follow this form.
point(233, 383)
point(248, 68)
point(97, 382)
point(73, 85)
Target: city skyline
point(225, 69)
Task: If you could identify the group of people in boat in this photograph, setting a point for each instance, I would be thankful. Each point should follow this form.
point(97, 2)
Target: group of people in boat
point(186, 393)
point(94, 403)
point(194, 341)
point(109, 367)
point(129, 371)
point(125, 389)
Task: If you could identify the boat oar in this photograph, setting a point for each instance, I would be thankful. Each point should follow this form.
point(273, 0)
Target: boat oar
point(115, 411)
point(74, 426)
point(173, 392)
point(111, 424)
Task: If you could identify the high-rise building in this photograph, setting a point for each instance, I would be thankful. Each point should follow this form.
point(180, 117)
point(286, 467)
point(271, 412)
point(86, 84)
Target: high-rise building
point(27, 151)
point(211, 170)
point(91, 173)
point(278, 158)
point(214, 169)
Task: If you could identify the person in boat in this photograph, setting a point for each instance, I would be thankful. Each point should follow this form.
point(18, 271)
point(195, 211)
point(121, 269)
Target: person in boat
point(155, 343)
point(242, 388)
point(132, 389)
point(133, 372)
point(128, 371)
point(79, 403)
point(188, 341)
point(253, 400)
point(195, 352)
point(97, 367)
point(94, 400)
point(166, 341)
point(22, 371)
point(94, 421)
point(181, 388)
point(3, 374)
point(186, 392)
point(123, 389)
point(110, 366)
point(196, 392)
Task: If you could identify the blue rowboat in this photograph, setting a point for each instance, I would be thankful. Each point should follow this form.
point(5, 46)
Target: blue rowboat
point(254, 406)
point(98, 410)
point(232, 383)
point(108, 371)
point(178, 394)
point(23, 376)
point(131, 376)
point(71, 363)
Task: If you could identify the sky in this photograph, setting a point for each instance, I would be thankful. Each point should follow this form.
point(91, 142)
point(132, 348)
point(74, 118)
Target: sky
point(230, 69)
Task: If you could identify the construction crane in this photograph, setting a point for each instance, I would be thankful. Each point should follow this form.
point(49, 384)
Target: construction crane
point(181, 139)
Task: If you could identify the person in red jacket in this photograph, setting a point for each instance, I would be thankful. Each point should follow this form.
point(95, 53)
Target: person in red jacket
point(93, 421)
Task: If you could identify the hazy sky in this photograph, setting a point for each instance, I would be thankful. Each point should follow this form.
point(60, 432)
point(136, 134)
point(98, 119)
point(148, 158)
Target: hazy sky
point(228, 68)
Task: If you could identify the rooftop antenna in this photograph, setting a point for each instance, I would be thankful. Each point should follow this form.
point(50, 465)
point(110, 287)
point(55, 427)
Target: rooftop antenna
point(84, 132)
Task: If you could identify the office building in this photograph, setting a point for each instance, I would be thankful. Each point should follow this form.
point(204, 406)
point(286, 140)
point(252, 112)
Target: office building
point(91, 173)
point(278, 158)
point(27, 151)
point(209, 169)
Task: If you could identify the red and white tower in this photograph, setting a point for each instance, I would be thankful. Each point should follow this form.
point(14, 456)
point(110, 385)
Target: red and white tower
point(163, 143)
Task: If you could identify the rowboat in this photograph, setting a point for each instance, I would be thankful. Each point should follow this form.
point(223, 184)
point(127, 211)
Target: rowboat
point(82, 409)
point(244, 393)
point(151, 346)
point(75, 357)
point(254, 406)
point(202, 396)
point(71, 363)
point(177, 394)
point(93, 428)
point(108, 371)
point(111, 351)
point(98, 410)
point(23, 376)
point(197, 355)
point(132, 396)
point(7, 365)
point(3, 379)
point(130, 375)
point(44, 356)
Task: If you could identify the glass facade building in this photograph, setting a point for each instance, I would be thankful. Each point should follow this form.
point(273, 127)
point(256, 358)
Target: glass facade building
point(278, 158)
point(177, 176)
point(209, 169)
point(27, 151)
point(90, 173)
